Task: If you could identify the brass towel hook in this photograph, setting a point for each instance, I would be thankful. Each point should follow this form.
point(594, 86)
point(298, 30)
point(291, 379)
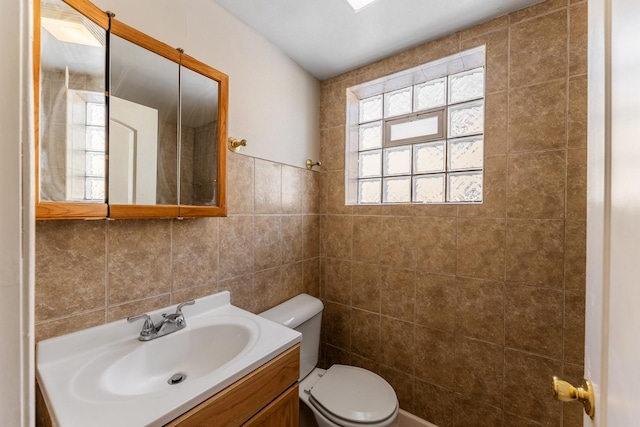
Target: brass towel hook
point(311, 164)
point(235, 144)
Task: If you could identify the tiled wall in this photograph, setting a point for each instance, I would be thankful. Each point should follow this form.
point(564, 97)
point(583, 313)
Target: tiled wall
point(469, 310)
point(264, 252)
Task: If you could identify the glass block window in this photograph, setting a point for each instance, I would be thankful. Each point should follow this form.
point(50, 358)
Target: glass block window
point(422, 143)
point(94, 159)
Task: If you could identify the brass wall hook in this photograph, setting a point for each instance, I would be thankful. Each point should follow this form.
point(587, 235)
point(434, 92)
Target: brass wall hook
point(311, 164)
point(235, 144)
point(565, 392)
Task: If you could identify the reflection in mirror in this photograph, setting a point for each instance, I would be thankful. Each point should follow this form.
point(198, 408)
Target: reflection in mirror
point(72, 106)
point(143, 126)
point(199, 145)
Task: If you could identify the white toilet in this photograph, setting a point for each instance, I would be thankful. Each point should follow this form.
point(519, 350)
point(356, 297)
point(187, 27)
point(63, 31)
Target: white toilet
point(341, 396)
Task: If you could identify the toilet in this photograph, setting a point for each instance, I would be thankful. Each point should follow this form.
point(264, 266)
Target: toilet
point(341, 396)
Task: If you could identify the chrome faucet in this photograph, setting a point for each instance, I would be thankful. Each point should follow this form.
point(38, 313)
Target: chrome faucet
point(168, 324)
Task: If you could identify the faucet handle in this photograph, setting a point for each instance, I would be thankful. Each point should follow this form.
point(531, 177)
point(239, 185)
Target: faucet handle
point(148, 328)
point(179, 308)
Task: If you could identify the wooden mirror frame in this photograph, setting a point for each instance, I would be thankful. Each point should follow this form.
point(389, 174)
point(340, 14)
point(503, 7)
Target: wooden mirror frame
point(74, 210)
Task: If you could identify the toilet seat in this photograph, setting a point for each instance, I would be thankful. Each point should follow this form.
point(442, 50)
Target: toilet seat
point(352, 397)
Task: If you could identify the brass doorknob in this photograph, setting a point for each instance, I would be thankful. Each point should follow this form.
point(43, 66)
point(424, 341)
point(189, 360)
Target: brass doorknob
point(565, 392)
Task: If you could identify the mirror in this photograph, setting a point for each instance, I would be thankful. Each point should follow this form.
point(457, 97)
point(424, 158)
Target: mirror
point(154, 147)
point(143, 126)
point(72, 106)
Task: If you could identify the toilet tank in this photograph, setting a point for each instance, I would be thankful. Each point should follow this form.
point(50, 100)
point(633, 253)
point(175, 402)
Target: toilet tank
point(304, 314)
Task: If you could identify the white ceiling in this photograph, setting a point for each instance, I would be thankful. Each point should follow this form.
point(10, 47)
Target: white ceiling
point(327, 38)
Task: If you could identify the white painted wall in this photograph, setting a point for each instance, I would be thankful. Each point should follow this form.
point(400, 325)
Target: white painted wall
point(16, 341)
point(273, 103)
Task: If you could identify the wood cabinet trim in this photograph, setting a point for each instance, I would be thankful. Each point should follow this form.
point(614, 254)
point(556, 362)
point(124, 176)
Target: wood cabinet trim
point(66, 210)
point(120, 29)
point(282, 412)
point(142, 211)
point(239, 402)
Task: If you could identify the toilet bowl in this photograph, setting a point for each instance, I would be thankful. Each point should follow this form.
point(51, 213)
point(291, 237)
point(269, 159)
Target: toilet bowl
point(341, 396)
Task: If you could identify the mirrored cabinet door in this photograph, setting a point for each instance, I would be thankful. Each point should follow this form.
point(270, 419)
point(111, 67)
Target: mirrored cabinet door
point(71, 112)
point(143, 126)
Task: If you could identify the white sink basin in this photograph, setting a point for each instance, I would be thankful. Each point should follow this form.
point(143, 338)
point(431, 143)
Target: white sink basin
point(105, 376)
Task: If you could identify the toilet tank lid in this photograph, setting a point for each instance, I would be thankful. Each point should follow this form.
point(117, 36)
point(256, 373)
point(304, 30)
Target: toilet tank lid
point(295, 311)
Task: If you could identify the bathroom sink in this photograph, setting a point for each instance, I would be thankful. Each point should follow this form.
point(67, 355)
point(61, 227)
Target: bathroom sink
point(106, 376)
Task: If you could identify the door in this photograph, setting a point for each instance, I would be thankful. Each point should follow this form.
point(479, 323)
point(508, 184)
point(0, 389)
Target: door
point(612, 346)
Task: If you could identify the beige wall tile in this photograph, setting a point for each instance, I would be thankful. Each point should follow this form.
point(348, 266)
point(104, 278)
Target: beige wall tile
point(436, 49)
point(292, 234)
point(334, 193)
point(577, 118)
point(236, 246)
point(311, 276)
point(536, 185)
point(533, 320)
point(527, 379)
point(312, 192)
point(292, 189)
point(194, 253)
point(333, 103)
point(436, 301)
point(481, 248)
point(575, 256)
point(436, 244)
point(487, 27)
point(365, 286)
point(365, 334)
point(572, 412)
point(398, 248)
point(268, 288)
point(139, 259)
point(367, 238)
point(578, 39)
point(403, 384)
point(537, 117)
point(497, 58)
point(535, 252)
point(67, 325)
point(268, 187)
point(495, 132)
point(183, 295)
point(292, 279)
point(469, 413)
point(336, 280)
point(334, 355)
point(332, 148)
point(515, 421)
point(267, 242)
point(434, 403)
point(398, 293)
point(398, 344)
point(240, 183)
point(337, 232)
point(479, 371)
point(536, 10)
point(70, 268)
point(577, 184)
point(133, 308)
point(337, 324)
point(435, 357)
point(241, 289)
point(311, 236)
point(574, 323)
point(480, 310)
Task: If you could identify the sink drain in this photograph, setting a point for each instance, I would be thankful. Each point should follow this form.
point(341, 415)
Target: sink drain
point(177, 378)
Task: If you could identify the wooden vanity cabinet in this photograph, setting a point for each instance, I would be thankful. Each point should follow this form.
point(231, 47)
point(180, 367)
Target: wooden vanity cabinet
point(267, 397)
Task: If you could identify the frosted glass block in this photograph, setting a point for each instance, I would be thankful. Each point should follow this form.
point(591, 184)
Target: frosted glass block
point(467, 85)
point(430, 94)
point(466, 119)
point(370, 109)
point(370, 136)
point(428, 157)
point(94, 189)
point(396, 190)
point(397, 160)
point(428, 189)
point(465, 187)
point(466, 153)
point(369, 191)
point(95, 164)
point(397, 102)
point(416, 128)
point(369, 163)
point(95, 114)
point(95, 138)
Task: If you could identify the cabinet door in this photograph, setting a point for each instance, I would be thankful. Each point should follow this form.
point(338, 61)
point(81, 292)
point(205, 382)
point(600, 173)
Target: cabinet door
point(282, 412)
